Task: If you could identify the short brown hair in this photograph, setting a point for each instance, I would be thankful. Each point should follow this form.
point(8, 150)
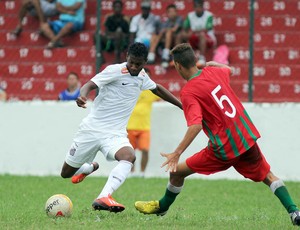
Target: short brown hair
point(184, 55)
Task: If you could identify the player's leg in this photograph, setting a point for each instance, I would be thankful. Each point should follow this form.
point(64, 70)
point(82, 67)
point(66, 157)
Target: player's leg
point(120, 150)
point(39, 11)
point(78, 163)
point(133, 139)
point(167, 46)
point(203, 162)
point(279, 189)
point(174, 187)
point(66, 29)
point(144, 160)
point(47, 31)
point(144, 144)
point(155, 39)
point(253, 165)
point(25, 6)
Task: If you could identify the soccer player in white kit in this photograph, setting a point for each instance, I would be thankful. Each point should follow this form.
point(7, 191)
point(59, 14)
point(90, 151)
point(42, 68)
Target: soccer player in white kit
point(104, 129)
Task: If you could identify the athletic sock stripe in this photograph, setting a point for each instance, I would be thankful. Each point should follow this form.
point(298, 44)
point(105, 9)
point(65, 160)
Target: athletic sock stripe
point(232, 143)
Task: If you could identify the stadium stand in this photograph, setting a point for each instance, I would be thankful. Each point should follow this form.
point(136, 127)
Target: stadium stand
point(28, 71)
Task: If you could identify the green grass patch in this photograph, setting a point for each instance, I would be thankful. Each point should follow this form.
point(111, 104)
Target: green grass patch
point(203, 204)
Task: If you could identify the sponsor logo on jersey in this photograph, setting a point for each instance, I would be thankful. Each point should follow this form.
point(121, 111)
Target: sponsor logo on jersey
point(124, 70)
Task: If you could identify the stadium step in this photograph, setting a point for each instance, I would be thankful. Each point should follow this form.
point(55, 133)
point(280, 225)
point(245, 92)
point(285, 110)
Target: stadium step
point(41, 55)
point(274, 23)
point(31, 39)
point(261, 39)
point(47, 70)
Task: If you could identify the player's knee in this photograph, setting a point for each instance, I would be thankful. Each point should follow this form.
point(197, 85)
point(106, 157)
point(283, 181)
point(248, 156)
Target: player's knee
point(131, 158)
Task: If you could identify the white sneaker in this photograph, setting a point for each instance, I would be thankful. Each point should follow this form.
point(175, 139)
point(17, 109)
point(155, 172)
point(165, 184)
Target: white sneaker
point(165, 64)
point(295, 218)
point(165, 54)
point(151, 58)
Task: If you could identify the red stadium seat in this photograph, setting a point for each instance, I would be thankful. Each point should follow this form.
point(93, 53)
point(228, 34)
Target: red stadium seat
point(28, 71)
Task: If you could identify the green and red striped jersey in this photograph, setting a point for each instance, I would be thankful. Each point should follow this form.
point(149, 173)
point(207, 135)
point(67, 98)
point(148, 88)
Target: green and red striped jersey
point(209, 100)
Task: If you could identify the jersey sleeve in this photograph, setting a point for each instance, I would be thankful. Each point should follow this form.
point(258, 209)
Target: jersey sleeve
point(226, 74)
point(134, 24)
point(106, 76)
point(192, 109)
point(186, 23)
point(209, 23)
point(148, 83)
point(222, 72)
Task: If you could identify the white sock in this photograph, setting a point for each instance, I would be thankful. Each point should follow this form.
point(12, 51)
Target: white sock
point(86, 168)
point(116, 178)
point(276, 184)
point(173, 188)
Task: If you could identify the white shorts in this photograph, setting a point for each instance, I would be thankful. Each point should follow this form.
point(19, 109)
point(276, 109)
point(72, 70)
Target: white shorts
point(84, 151)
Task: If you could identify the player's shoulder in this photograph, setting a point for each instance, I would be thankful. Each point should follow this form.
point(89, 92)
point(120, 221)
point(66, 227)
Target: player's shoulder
point(136, 18)
point(117, 68)
point(143, 74)
point(191, 14)
point(207, 13)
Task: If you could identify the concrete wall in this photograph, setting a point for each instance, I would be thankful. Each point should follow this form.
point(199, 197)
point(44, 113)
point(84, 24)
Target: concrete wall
point(35, 136)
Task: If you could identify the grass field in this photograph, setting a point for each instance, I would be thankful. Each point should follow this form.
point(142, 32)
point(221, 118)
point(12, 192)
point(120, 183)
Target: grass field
point(203, 204)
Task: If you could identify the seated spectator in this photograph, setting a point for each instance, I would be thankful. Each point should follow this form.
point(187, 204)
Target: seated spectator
point(40, 8)
point(199, 30)
point(73, 88)
point(116, 31)
point(3, 95)
point(71, 19)
point(170, 32)
point(144, 28)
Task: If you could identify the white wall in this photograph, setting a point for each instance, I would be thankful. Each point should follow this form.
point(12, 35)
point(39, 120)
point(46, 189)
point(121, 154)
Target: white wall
point(35, 136)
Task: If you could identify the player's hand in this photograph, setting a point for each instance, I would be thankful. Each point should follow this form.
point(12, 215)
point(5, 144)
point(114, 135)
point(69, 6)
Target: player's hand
point(81, 102)
point(171, 162)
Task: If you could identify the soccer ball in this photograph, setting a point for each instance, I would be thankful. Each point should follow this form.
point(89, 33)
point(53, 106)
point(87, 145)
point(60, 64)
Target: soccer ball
point(59, 205)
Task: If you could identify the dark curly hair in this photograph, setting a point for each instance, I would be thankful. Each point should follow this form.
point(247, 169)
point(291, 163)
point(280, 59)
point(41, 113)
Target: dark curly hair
point(138, 49)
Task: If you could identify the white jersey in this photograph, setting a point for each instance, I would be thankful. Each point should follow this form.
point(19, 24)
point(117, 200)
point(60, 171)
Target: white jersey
point(118, 93)
point(144, 28)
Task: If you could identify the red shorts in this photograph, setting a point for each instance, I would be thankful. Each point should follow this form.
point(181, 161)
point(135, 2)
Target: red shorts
point(194, 41)
point(251, 164)
point(139, 139)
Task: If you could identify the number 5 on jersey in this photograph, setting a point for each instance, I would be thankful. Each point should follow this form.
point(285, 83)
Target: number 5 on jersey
point(221, 100)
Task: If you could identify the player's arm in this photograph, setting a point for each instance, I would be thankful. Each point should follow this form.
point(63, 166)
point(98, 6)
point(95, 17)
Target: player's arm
point(164, 94)
point(216, 64)
point(173, 158)
point(84, 92)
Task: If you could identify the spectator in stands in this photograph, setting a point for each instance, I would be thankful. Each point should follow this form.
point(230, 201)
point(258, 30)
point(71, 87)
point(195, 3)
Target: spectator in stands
point(3, 95)
point(144, 28)
point(139, 126)
point(170, 32)
point(40, 8)
point(116, 31)
point(73, 88)
point(199, 31)
point(71, 19)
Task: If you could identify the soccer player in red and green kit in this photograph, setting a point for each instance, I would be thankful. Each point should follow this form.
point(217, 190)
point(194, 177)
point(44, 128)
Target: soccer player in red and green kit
point(209, 103)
